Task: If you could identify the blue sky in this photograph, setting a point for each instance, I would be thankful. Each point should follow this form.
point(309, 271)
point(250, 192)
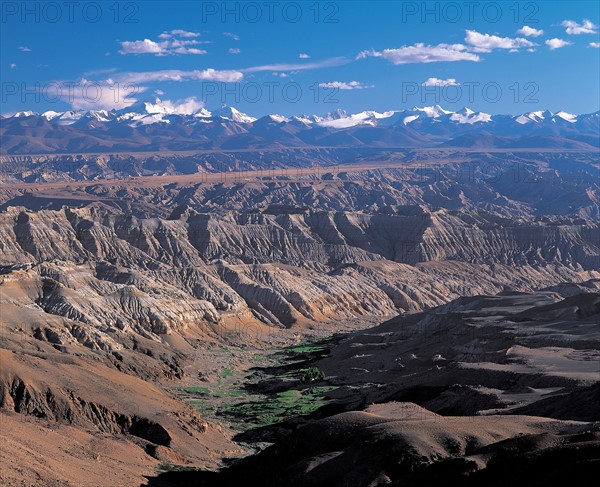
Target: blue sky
point(301, 57)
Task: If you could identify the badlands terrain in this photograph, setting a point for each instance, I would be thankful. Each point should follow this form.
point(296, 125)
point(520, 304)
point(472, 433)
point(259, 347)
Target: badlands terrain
point(310, 316)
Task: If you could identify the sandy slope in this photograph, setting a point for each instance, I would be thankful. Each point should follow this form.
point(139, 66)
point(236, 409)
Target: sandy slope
point(43, 453)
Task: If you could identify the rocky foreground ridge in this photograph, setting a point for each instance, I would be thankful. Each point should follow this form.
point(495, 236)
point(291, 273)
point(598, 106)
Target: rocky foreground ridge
point(483, 390)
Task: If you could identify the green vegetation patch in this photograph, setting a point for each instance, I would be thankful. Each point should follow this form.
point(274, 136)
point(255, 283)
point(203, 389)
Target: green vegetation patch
point(276, 408)
point(307, 348)
point(311, 374)
point(197, 390)
point(246, 405)
point(227, 372)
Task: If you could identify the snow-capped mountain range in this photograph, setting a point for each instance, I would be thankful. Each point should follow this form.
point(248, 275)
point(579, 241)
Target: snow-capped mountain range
point(146, 113)
point(157, 125)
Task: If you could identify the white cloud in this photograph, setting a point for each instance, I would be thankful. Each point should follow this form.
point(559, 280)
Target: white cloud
point(440, 82)
point(122, 92)
point(141, 47)
point(557, 43)
point(233, 50)
point(178, 33)
point(232, 35)
point(106, 95)
point(594, 44)
point(530, 31)
point(303, 55)
point(573, 28)
point(13, 66)
point(189, 50)
point(24, 49)
point(94, 73)
point(171, 45)
point(421, 53)
point(187, 106)
point(210, 74)
point(345, 85)
point(281, 75)
point(326, 63)
point(487, 43)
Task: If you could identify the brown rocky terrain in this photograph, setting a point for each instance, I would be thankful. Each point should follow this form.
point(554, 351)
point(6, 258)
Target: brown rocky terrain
point(120, 298)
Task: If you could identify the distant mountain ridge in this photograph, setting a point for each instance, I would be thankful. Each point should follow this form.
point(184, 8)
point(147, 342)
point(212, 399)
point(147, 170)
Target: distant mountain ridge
point(157, 125)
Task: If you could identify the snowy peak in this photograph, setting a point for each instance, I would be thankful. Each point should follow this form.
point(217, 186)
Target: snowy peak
point(231, 113)
point(336, 114)
point(51, 115)
point(100, 115)
point(569, 117)
point(340, 119)
point(69, 117)
point(432, 112)
point(24, 114)
point(307, 119)
point(468, 116)
point(545, 116)
point(404, 117)
point(275, 118)
point(203, 113)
